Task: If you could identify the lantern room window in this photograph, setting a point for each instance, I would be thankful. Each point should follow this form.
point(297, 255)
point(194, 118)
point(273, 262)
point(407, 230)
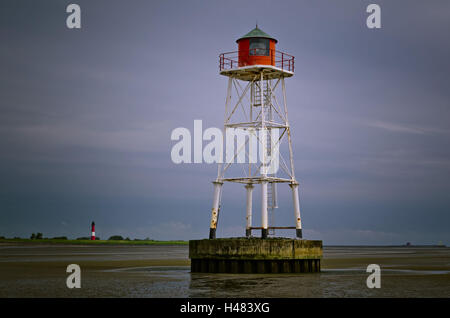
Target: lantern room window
point(259, 46)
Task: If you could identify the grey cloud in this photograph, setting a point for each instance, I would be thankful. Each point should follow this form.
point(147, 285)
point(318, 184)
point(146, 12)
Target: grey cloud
point(85, 117)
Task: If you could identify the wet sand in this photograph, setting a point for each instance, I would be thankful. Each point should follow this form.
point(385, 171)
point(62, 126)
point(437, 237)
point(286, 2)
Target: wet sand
point(163, 271)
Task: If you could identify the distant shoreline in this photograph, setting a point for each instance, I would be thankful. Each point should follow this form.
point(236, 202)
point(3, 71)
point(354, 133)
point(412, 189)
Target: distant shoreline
point(91, 242)
point(174, 242)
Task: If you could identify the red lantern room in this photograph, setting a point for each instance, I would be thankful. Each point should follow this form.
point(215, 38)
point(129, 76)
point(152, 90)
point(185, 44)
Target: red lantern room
point(256, 48)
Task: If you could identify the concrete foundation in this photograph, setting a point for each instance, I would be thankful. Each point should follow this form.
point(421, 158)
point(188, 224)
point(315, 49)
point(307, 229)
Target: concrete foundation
point(255, 255)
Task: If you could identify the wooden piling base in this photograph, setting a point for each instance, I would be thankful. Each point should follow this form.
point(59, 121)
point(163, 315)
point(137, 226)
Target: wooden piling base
point(255, 256)
point(255, 266)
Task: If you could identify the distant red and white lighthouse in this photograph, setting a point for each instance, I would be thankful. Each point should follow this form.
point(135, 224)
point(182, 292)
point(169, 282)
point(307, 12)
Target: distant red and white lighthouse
point(93, 231)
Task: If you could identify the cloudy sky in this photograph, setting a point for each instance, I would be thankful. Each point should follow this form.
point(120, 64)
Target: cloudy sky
point(86, 117)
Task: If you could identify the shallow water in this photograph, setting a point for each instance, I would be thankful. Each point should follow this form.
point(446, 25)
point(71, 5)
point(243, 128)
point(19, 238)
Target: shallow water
point(163, 271)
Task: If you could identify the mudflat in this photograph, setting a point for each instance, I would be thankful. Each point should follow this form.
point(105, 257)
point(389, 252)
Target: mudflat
point(33, 270)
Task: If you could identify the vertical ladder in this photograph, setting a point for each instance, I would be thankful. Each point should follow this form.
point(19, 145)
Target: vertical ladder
point(256, 95)
point(272, 187)
point(264, 94)
point(272, 204)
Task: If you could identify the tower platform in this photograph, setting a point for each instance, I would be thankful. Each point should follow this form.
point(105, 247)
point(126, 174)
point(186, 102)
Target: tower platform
point(255, 255)
point(250, 72)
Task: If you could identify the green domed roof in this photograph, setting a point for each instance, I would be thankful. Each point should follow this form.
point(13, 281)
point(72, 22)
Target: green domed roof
point(257, 33)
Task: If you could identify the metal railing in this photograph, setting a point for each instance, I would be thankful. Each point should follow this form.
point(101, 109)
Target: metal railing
point(230, 60)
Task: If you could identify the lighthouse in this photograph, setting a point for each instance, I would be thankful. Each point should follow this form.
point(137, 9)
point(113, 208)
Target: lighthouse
point(93, 231)
point(256, 103)
point(256, 113)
